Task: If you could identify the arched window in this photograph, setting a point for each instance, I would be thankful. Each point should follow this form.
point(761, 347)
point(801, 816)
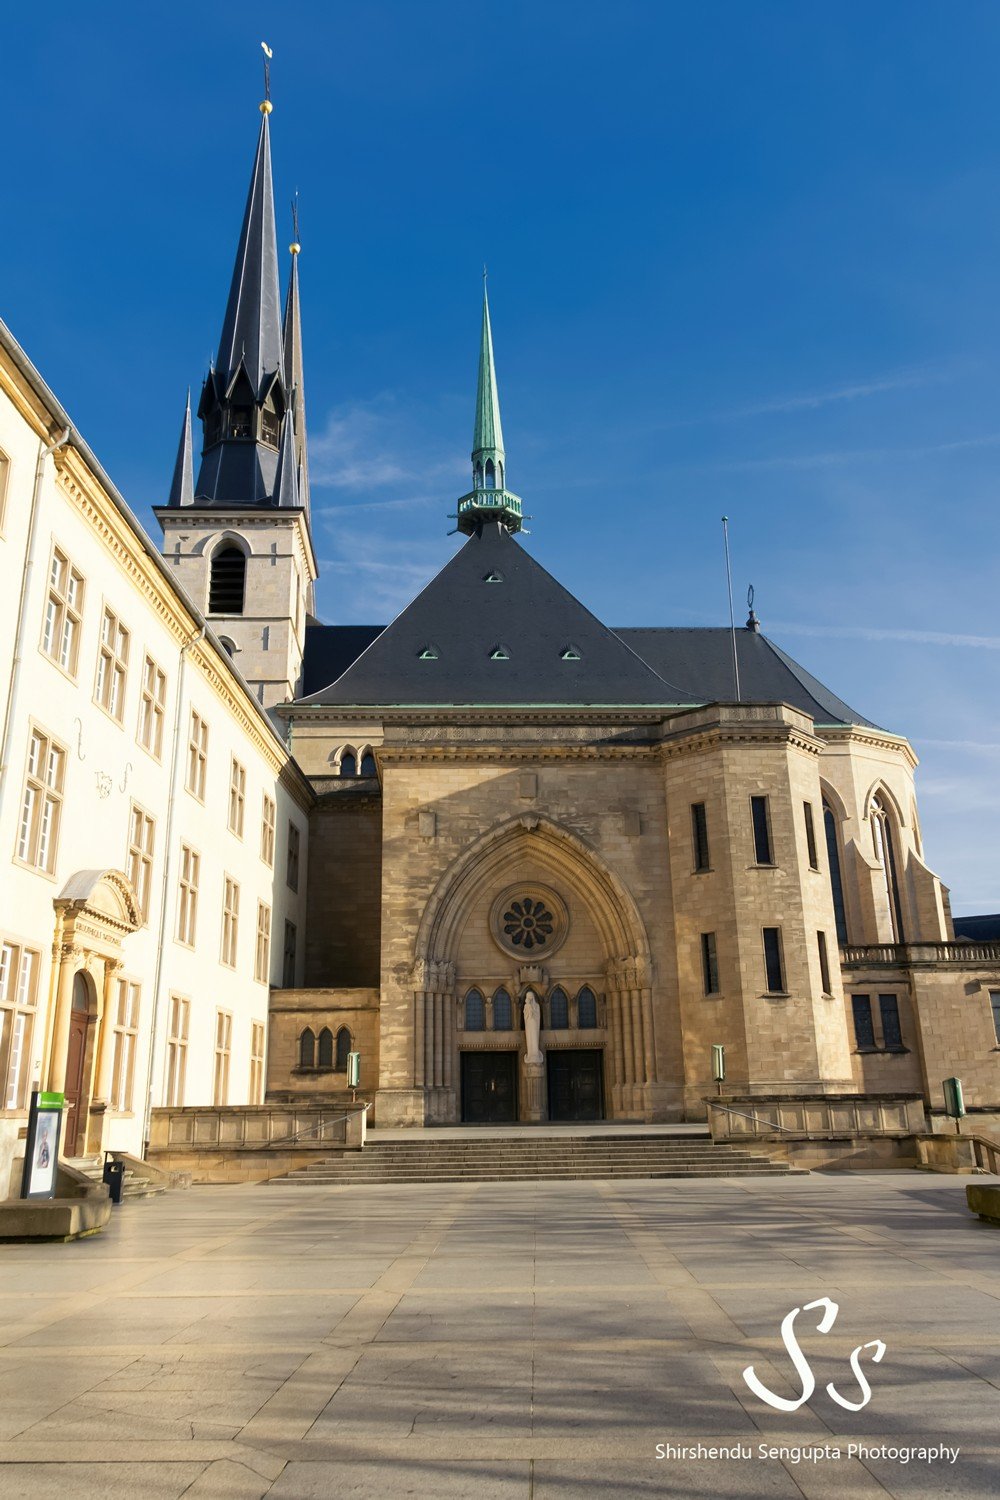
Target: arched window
point(502, 1013)
point(558, 1009)
point(324, 1052)
point(348, 763)
point(227, 645)
point(586, 1009)
point(475, 1012)
point(227, 582)
point(368, 765)
point(343, 1048)
point(307, 1049)
point(885, 853)
point(490, 474)
point(836, 879)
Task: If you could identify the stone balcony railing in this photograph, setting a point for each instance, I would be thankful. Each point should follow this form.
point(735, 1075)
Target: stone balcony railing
point(264, 1127)
point(907, 955)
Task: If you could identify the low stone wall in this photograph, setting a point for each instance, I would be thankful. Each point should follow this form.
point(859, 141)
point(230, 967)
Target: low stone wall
point(823, 1131)
point(249, 1143)
point(984, 1199)
point(82, 1207)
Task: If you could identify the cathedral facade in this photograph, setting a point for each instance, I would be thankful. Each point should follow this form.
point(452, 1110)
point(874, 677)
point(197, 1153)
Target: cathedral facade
point(522, 865)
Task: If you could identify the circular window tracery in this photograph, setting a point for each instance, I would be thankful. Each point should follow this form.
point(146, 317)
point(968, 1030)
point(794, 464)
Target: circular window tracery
point(529, 920)
point(528, 923)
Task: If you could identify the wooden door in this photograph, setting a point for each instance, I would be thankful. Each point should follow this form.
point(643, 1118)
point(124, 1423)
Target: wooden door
point(575, 1084)
point(75, 1060)
point(489, 1088)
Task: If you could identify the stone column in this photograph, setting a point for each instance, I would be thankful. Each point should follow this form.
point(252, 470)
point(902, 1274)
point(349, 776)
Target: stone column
point(646, 997)
point(616, 1043)
point(419, 1022)
point(68, 959)
point(105, 1033)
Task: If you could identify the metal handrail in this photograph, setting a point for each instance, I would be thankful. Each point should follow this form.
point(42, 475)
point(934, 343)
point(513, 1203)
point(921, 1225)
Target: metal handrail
point(326, 1120)
point(754, 1119)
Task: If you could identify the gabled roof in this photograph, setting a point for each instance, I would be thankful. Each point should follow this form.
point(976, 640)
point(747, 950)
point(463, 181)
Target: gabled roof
point(522, 639)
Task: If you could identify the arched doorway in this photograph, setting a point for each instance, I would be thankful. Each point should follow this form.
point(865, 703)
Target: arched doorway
point(77, 1087)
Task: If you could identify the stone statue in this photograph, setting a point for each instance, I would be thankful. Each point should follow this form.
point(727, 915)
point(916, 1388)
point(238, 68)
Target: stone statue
point(532, 1028)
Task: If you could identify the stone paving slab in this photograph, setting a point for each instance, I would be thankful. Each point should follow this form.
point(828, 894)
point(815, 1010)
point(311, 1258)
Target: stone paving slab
point(536, 1340)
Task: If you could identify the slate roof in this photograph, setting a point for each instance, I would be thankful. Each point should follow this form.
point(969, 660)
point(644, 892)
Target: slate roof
point(534, 619)
point(984, 929)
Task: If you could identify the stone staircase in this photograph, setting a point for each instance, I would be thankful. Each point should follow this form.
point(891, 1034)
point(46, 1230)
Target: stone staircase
point(137, 1184)
point(522, 1158)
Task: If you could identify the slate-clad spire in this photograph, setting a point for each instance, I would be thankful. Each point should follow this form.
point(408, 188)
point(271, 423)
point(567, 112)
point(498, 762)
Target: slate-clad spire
point(251, 330)
point(293, 369)
point(286, 479)
point(489, 499)
point(182, 484)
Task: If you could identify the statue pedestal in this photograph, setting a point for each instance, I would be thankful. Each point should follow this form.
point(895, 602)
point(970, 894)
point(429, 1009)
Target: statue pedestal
point(534, 1092)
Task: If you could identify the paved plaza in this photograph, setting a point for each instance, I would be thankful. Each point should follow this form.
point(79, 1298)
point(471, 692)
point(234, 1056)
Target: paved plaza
point(502, 1342)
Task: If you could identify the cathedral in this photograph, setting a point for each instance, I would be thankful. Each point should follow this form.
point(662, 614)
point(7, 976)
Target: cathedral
point(513, 864)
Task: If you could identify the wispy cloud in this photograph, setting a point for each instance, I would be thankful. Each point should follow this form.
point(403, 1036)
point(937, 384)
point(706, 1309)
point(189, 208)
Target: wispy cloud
point(370, 445)
point(859, 390)
point(839, 456)
point(878, 633)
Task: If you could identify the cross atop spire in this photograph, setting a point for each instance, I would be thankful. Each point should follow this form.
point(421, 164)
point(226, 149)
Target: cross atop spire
point(489, 499)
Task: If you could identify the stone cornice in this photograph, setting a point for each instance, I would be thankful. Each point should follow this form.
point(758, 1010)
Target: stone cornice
point(879, 739)
point(244, 520)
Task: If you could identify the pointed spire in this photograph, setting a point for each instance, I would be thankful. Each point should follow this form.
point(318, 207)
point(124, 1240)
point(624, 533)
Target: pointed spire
point(251, 330)
point(182, 484)
point(293, 367)
point(489, 500)
point(286, 481)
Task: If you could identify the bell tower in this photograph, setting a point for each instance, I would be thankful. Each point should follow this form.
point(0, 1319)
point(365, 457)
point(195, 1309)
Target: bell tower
point(239, 537)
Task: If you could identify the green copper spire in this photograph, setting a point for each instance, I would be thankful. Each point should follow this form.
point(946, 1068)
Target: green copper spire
point(488, 500)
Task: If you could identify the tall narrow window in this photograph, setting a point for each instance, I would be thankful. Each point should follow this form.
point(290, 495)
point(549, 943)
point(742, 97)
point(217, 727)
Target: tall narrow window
point(885, 853)
point(41, 806)
point(761, 830)
point(324, 1049)
point(227, 583)
point(833, 860)
point(18, 986)
point(262, 952)
point(343, 1049)
point(864, 1027)
point(348, 763)
point(709, 963)
point(502, 1011)
point(267, 822)
point(256, 1062)
point(307, 1048)
point(558, 1009)
point(177, 1045)
point(774, 968)
point(807, 809)
point(187, 896)
point(995, 1008)
point(586, 1009)
point(197, 761)
point(699, 828)
point(63, 610)
point(824, 963)
point(292, 866)
point(892, 1033)
point(368, 767)
point(288, 956)
point(112, 665)
point(152, 705)
point(126, 1031)
point(237, 797)
point(139, 864)
point(223, 1052)
point(230, 920)
point(475, 1012)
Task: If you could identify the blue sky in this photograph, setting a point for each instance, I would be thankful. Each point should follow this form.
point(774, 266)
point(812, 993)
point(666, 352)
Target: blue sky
point(743, 259)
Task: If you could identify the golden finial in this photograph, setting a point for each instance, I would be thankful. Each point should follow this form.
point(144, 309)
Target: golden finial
point(266, 105)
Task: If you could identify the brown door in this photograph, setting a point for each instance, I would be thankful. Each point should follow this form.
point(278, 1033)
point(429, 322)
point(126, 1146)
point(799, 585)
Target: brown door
point(75, 1059)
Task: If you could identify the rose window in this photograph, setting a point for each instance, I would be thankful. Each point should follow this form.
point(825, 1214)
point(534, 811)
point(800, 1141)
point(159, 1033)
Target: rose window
point(528, 923)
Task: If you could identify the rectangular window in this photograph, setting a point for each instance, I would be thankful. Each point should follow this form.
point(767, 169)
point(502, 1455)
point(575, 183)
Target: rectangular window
point(262, 952)
point(18, 986)
point(63, 610)
point(864, 1027)
point(139, 863)
point(230, 920)
point(292, 876)
point(892, 1035)
point(761, 830)
point(824, 963)
point(811, 836)
point(187, 896)
point(177, 1045)
point(112, 665)
point(256, 1062)
point(197, 756)
point(709, 963)
point(126, 1031)
point(267, 823)
point(152, 706)
point(223, 1047)
point(995, 1007)
point(699, 828)
point(237, 797)
point(288, 957)
point(41, 807)
point(774, 968)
